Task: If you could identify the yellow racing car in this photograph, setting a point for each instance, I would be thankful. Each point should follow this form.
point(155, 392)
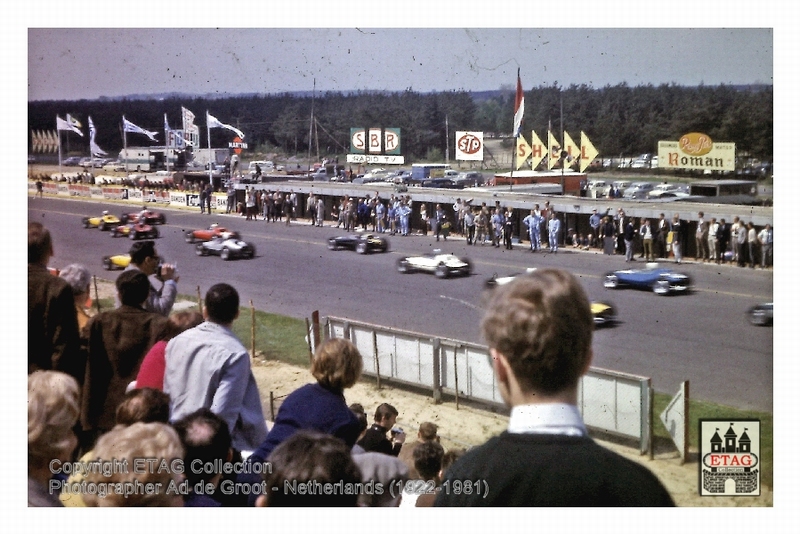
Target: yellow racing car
point(105, 221)
point(120, 261)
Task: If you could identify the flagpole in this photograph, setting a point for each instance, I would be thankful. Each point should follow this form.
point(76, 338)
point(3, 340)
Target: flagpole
point(563, 157)
point(210, 161)
point(166, 141)
point(58, 133)
point(125, 147)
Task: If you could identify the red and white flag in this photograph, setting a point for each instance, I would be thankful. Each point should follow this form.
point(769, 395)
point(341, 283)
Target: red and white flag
point(519, 108)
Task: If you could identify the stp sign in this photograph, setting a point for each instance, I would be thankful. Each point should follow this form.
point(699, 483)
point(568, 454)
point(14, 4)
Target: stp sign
point(237, 145)
point(469, 146)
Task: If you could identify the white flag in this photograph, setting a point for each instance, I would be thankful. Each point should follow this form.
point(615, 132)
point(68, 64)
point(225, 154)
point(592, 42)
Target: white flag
point(128, 126)
point(95, 150)
point(62, 125)
point(212, 122)
point(178, 137)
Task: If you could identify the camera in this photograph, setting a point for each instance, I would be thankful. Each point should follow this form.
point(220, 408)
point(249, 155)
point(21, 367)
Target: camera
point(397, 430)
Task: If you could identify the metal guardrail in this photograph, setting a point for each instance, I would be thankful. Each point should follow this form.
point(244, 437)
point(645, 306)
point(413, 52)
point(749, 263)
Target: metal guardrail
point(609, 401)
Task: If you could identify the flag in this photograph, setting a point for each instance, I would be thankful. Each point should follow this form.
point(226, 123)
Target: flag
point(69, 126)
point(588, 152)
point(128, 126)
point(519, 107)
point(537, 150)
point(212, 122)
point(191, 131)
point(73, 121)
point(93, 148)
point(573, 152)
point(178, 137)
point(523, 151)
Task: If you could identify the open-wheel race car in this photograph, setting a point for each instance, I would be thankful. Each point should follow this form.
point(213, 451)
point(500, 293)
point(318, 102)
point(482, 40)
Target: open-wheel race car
point(603, 313)
point(659, 280)
point(207, 234)
point(361, 243)
point(760, 314)
point(119, 261)
point(442, 265)
point(226, 247)
point(135, 231)
point(105, 221)
point(150, 217)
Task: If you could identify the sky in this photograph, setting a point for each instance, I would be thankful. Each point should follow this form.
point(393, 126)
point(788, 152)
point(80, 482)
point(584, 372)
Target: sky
point(88, 63)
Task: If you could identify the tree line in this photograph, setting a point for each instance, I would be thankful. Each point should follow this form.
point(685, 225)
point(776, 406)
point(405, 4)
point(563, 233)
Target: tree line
point(620, 120)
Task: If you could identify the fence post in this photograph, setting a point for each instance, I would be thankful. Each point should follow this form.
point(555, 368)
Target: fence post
point(455, 371)
point(315, 327)
point(308, 338)
point(271, 406)
point(199, 300)
point(96, 294)
point(375, 356)
point(437, 372)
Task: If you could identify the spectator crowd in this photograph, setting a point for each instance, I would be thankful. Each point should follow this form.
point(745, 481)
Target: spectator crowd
point(140, 406)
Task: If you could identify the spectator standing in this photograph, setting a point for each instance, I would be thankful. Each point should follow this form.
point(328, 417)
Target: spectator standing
point(469, 225)
point(209, 198)
point(713, 240)
point(737, 246)
point(208, 367)
point(607, 233)
point(677, 238)
point(701, 239)
point(497, 222)
point(553, 231)
point(662, 229)
point(320, 211)
point(144, 258)
point(765, 238)
point(594, 221)
point(723, 235)
point(629, 236)
point(508, 229)
point(375, 437)
point(752, 244)
point(647, 239)
point(53, 337)
point(423, 219)
point(118, 341)
point(741, 242)
point(203, 196)
point(545, 457)
point(231, 204)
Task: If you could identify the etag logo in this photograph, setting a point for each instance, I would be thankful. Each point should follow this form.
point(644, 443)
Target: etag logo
point(730, 457)
point(469, 143)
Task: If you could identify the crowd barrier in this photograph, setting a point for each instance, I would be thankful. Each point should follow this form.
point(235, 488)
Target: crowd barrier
point(134, 195)
point(610, 401)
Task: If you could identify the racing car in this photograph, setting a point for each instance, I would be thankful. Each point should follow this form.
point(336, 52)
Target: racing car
point(207, 234)
point(361, 243)
point(226, 247)
point(150, 217)
point(105, 221)
point(442, 265)
point(659, 280)
point(602, 312)
point(760, 314)
point(120, 261)
point(135, 231)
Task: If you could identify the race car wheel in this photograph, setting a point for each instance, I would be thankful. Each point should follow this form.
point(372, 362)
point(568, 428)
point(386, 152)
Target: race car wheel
point(200, 250)
point(123, 218)
point(225, 254)
point(86, 223)
point(611, 281)
point(758, 317)
point(403, 266)
point(361, 248)
point(469, 268)
point(189, 237)
point(154, 233)
point(661, 287)
point(332, 244)
point(441, 271)
point(162, 219)
point(133, 234)
point(102, 226)
point(251, 253)
point(107, 264)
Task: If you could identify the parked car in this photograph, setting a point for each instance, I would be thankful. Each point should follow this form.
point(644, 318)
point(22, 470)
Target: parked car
point(660, 189)
point(150, 217)
point(659, 280)
point(226, 247)
point(72, 161)
point(118, 261)
point(442, 265)
point(470, 179)
point(207, 234)
point(135, 231)
point(105, 221)
point(760, 314)
point(361, 243)
point(85, 163)
point(265, 165)
point(638, 190)
point(442, 183)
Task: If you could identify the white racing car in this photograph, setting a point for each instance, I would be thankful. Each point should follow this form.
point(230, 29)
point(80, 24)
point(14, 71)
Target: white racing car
point(226, 247)
point(442, 265)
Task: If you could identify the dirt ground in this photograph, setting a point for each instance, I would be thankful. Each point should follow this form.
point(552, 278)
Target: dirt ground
point(468, 426)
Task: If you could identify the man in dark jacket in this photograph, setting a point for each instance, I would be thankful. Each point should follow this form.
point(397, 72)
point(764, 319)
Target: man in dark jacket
point(118, 341)
point(375, 439)
point(53, 340)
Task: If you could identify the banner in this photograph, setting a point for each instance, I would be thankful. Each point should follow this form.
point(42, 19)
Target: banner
point(537, 150)
point(523, 151)
point(94, 149)
point(469, 146)
point(696, 151)
point(573, 152)
point(553, 150)
point(588, 152)
point(212, 122)
point(519, 107)
point(128, 126)
point(69, 126)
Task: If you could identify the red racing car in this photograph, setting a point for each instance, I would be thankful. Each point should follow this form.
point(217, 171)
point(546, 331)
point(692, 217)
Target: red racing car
point(150, 217)
point(135, 231)
point(209, 233)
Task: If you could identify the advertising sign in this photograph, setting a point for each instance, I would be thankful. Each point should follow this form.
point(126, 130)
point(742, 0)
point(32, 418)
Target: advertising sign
point(469, 146)
point(696, 151)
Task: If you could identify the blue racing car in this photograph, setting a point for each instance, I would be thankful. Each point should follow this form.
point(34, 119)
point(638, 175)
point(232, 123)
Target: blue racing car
point(659, 280)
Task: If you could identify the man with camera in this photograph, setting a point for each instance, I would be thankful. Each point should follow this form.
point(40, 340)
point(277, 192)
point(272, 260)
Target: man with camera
point(145, 258)
point(375, 439)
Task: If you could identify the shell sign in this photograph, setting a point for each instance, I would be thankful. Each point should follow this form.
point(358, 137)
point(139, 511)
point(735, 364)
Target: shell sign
point(696, 151)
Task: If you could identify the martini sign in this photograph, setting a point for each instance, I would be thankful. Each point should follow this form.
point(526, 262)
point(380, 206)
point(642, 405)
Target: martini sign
point(696, 151)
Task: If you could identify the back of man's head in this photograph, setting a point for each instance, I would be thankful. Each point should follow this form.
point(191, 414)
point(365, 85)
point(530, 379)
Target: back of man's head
point(133, 287)
point(40, 244)
point(316, 459)
point(428, 459)
point(542, 323)
point(222, 304)
point(141, 250)
point(427, 431)
point(361, 415)
point(385, 411)
point(206, 438)
point(143, 405)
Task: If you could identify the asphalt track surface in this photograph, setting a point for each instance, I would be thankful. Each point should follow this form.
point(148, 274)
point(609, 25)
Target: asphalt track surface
point(702, 337)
